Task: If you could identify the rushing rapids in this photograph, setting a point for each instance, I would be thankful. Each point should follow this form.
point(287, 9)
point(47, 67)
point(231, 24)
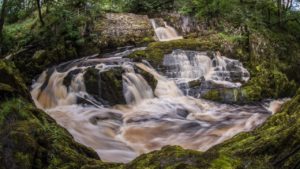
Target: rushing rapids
point(151, 117)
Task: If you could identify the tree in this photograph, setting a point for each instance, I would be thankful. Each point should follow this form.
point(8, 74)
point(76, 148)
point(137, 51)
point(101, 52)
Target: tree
point(2, 20)
point(40, 12)
point(139, 6)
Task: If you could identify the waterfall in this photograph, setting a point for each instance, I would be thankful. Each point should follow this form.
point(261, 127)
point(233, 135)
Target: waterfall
point(190, 67)
point(164, 32)
point(184, 66)
point(136, 89)
point(153, 117)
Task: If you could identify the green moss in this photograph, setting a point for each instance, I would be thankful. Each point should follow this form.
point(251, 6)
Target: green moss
point(29, 137)
point(179, 158)
point(224, 162)
point(23, 160)
point(146, 40)
point(156, 50)
point(106, 86)
point(264, 84)
point(11, 83)
point(33, 138)
point(34, 61)
point(7, 107)
point(213, 95)
point(148, 77)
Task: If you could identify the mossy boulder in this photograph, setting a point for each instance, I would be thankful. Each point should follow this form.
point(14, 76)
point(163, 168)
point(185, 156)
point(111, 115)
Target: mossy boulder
point(11, 83)
point(170, 157)
point(35, 61)
point(264, 84)
point(32, 139)
point(150, 79)
point(106, 86)
point(273, 145)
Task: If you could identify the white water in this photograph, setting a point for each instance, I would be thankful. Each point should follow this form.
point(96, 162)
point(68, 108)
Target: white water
point(150, 120)
point(188, 65)
point(133, 84)
point(164, 32)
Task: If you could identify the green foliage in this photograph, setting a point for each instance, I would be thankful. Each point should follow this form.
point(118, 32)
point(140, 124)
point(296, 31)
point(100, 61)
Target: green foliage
point(17, 35)
point(19, 9)
point(149, 6)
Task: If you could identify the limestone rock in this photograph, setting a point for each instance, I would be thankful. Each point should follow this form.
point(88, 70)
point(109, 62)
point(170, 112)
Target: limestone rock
point(121, 29)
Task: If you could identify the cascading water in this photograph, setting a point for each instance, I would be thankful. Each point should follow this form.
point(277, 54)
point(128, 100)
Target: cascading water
point(186, 67)
point(151, 118)
point(135, 88)
point(164, 32)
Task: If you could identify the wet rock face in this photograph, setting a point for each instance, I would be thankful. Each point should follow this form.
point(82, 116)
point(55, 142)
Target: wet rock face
point(108, 87)
point(121, 29)
point(186, 25)
point(105, 86)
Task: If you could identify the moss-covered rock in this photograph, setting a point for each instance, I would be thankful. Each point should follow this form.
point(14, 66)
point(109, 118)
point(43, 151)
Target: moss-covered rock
point(148, 77)
point(11, 83)
point(34, 61)
point(106, 86)
point(273, 144)
point(31, 139)
point(264, 84)
point(173, 157)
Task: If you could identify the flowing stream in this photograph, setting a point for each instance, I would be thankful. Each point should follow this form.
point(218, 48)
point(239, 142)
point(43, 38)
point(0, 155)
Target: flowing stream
point(151, 117)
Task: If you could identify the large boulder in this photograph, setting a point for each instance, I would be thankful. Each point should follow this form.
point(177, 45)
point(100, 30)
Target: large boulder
point(105, 86)
point(121, 29)
point(33, 61)
point(265, 84)
point(32, 139)
point(11, 83)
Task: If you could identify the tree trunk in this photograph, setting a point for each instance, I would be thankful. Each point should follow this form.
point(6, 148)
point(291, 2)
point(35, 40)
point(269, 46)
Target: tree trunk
point(269, 16)
point(2, 20)
point(279, 10)
point(40, 12)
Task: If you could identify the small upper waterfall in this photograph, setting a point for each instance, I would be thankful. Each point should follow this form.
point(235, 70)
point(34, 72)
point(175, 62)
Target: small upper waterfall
point(163, 31)
point(151, 116)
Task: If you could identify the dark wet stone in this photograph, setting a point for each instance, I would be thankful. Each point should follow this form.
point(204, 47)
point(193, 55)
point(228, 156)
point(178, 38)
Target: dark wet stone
point(182, 113)
point(68, 79)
